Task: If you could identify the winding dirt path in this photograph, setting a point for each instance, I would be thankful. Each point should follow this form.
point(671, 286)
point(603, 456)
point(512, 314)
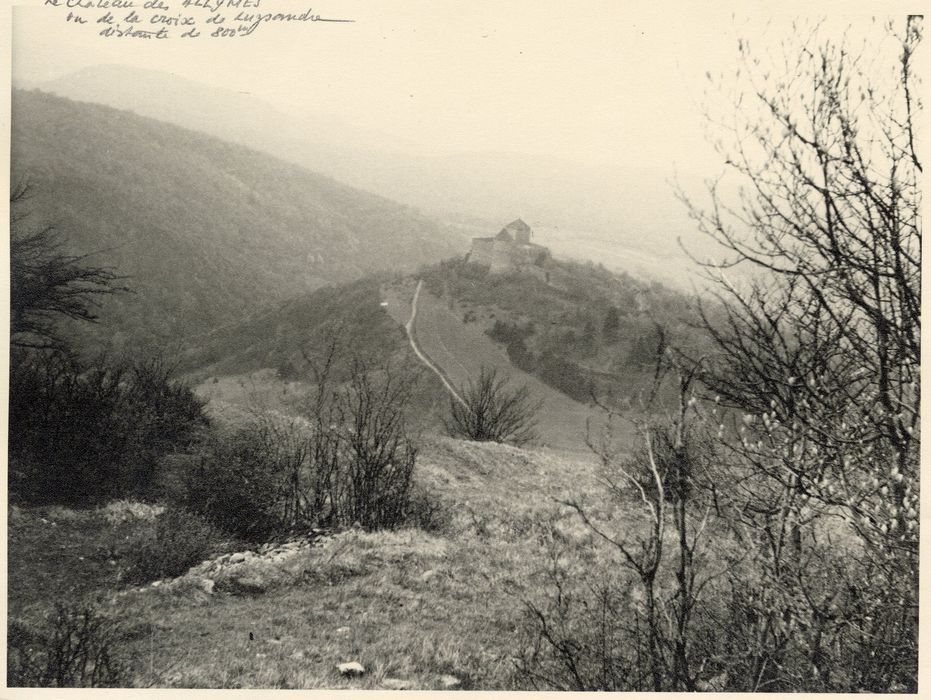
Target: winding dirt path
point(412, 336)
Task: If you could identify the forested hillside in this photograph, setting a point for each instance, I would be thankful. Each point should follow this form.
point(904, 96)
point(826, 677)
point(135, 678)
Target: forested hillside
point(281, 337)
point(206, 231)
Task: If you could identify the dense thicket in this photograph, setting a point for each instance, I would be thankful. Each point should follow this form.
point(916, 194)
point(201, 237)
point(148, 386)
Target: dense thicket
point(781, 499)
point(82, 434)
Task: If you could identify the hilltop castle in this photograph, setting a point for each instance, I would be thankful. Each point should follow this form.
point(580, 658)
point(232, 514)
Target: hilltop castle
point(510, 250)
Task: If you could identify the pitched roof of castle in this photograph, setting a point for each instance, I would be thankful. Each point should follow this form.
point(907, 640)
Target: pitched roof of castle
point(517, 225)
point(509, 232)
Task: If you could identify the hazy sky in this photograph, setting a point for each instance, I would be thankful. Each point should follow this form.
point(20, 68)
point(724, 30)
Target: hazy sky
point(593, 81)
point(588, 80)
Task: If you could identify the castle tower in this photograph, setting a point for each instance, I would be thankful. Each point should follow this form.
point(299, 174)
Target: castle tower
point(518, 230)
point(510, 250)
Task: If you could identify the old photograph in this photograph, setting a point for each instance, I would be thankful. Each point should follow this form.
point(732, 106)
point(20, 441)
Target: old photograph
point(491, 346)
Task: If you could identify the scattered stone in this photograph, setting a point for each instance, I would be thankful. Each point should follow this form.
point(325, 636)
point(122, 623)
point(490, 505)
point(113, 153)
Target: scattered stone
point(298, 655)
point(449, 682)
point(206, 585)
point(396, 684)
point(273, 641)
point(714, 685)
point(156, 584)
point(427, 575)
point(351, 668)
point(246, 584)
point(343, 630)
point(237, 557)
point(260, 655)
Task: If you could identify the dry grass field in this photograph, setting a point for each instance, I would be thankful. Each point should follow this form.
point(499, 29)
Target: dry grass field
point(409, 605)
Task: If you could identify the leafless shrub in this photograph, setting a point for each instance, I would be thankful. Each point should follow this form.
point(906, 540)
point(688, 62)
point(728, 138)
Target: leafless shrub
point(816, 371)
point(242, 481)
point(491, 411)
point(360, 452)
point(78, 647)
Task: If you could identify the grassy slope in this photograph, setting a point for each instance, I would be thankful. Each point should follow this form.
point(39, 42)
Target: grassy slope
point(259, 363)
point(463, 349)
point(461, 619)
point(208, 231)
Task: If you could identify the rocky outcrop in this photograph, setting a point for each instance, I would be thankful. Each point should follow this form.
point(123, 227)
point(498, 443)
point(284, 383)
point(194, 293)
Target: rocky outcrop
point(249, 572)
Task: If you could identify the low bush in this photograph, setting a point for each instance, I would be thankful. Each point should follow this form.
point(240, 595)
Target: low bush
point(85, 434)
point(583, 637)
point(239, 482)
point(361, 453)
point(76, 648)
point(179, 540)
point(492, 411)
point(425, 511)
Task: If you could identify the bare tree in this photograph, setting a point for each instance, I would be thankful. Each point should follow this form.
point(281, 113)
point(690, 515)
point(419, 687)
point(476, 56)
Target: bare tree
point(817, 333)
point(492, 411)
point(807, 515)
point(47, 285)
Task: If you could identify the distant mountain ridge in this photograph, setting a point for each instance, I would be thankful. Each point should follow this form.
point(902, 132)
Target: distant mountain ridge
point(208, 231)
point(636, 207)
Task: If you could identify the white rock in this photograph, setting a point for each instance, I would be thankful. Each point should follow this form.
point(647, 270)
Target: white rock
point(343, 630)
point(206, 585)
point(238, 557)
point(427, 575)
point(448, 681)
point(298, 655)
point(396, 684)
point(351, 668)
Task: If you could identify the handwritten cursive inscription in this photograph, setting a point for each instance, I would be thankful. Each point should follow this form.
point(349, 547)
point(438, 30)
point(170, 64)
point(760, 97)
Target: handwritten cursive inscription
point(182, 19)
